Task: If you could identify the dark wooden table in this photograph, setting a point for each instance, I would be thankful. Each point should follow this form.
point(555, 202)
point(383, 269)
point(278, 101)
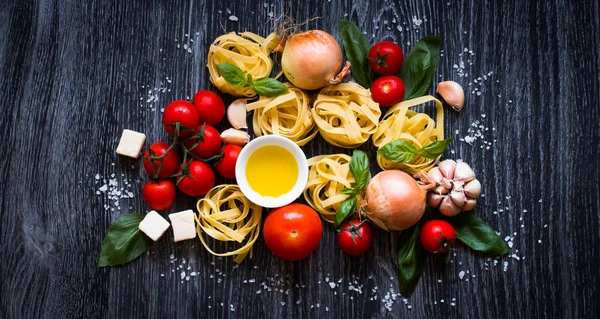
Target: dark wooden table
point(76, 73)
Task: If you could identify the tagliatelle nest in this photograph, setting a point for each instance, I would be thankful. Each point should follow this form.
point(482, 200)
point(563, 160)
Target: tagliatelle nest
point(346, 114)
point(401, 123)
point(248, 51)
point(288, 115)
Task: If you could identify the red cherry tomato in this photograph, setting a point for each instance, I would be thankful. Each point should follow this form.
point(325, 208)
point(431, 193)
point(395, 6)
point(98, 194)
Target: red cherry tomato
point(437, 236)
point(387, 90)
point(170, 163)
point(386, 58)
point(354, 237)
point(159, 195)
point(196, 178)
point(293, 232)
point(226, 166)
point(210, 107)
point(183, 112)
point(208, 139)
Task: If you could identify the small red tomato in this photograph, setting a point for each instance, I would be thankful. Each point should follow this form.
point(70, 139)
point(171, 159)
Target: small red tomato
point(205, 142)
point(183, 112)
point(170, 162)
point(293, 232)
point(437, 236)
point(210, 107)
point(354, 237)
point(386, 58)
point(159, 195)
point(387, 90)
point(196, 178)
point(226, 166)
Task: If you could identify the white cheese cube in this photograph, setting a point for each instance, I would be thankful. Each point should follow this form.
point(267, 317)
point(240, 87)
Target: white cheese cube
point(131, 143)
point(184, 226)
point(154, 225)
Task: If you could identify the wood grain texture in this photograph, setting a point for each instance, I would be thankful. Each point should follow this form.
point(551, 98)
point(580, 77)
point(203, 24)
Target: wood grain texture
point(76, 73)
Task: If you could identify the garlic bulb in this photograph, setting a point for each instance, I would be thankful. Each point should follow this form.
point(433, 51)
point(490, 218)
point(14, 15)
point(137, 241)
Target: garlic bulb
point(456, 188)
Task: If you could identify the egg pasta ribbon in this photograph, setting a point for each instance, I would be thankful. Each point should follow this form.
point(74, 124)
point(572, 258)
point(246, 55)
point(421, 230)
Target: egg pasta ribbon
point(225, 214)
point(288, 115)
point(401, 123)
point(345, 114)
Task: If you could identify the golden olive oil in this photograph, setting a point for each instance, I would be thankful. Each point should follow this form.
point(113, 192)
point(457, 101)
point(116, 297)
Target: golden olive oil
point(272, 171)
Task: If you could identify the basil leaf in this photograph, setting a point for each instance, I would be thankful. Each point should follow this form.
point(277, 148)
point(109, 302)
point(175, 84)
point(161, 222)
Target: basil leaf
point(232, 74)
point(418, 70)
point(349, 191)
point(268, 87)
point(357, 49)
point(360, 169)
point(398, 151)
point(435, 149)
point(347, 207)
point(124, 241)
point(411, 260)
point(476, 234)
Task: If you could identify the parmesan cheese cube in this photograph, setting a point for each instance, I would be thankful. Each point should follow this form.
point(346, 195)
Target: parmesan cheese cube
point(154, 225)
point(184, 226)
point(131, 143)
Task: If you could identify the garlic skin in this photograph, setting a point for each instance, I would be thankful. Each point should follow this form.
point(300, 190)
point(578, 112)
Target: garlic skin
point(235, 137)
point(452, 93)
point(456, 188)
point(236, 114)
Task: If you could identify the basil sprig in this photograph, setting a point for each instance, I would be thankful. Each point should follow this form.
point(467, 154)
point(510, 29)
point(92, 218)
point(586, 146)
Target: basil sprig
point(360, 169)
point(236, 77)
point(411, 260)
point(401, 151)
point(476, 234)
point(357, 49)
point(418, 70)
point(124, 241)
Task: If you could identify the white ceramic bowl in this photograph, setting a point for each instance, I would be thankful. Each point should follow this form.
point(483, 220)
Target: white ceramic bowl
point(266, 201)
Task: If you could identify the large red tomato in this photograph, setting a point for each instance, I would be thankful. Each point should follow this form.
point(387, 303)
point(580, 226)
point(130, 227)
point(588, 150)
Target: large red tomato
point(170, 162)
point(293, 232)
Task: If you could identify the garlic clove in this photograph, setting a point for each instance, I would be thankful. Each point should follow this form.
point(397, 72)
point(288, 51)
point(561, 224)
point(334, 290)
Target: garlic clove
point(434, 200)
point(441, 190)
point(473, 189)
point(236, 114)
point(235, 137)
point(452, 93)
point(435, 174)
point(447, 168)
point(458, 198)
point(463, 172)
point(448, 208)
point(469, 205)
point(458, 185)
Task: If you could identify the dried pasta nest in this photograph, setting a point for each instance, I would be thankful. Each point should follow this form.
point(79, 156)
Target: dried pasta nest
point(401, 123)
point(345, 114)
point(250, 52)
point(287, 115)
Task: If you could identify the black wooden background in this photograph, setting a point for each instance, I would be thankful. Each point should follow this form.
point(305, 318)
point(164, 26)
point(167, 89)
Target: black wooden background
point(76, 73)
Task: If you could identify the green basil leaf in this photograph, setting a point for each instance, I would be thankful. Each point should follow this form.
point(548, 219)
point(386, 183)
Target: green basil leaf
point(347, 207)
point(357, 49)
point(418, 70)
point(398, 151)
point(411, 260)
point(360, 169)
point(268, 87)
point(476, 234)
point(349, 191)
point(435, 149)
point(232, 74)
point(124, 241)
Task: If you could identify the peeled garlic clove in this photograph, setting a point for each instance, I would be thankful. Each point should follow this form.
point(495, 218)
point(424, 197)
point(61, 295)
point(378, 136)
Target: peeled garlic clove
point(473, 189)
point(235, 137)
point(463, 172)
point(236, 114)
point(452, 93)
point(458, 198)
point(435, 174)
point(469, 205)
point(434, 200)
point(447, 168)
point(447, 207)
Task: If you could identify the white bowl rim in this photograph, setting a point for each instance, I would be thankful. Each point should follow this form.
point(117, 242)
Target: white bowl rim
point(266, 201)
